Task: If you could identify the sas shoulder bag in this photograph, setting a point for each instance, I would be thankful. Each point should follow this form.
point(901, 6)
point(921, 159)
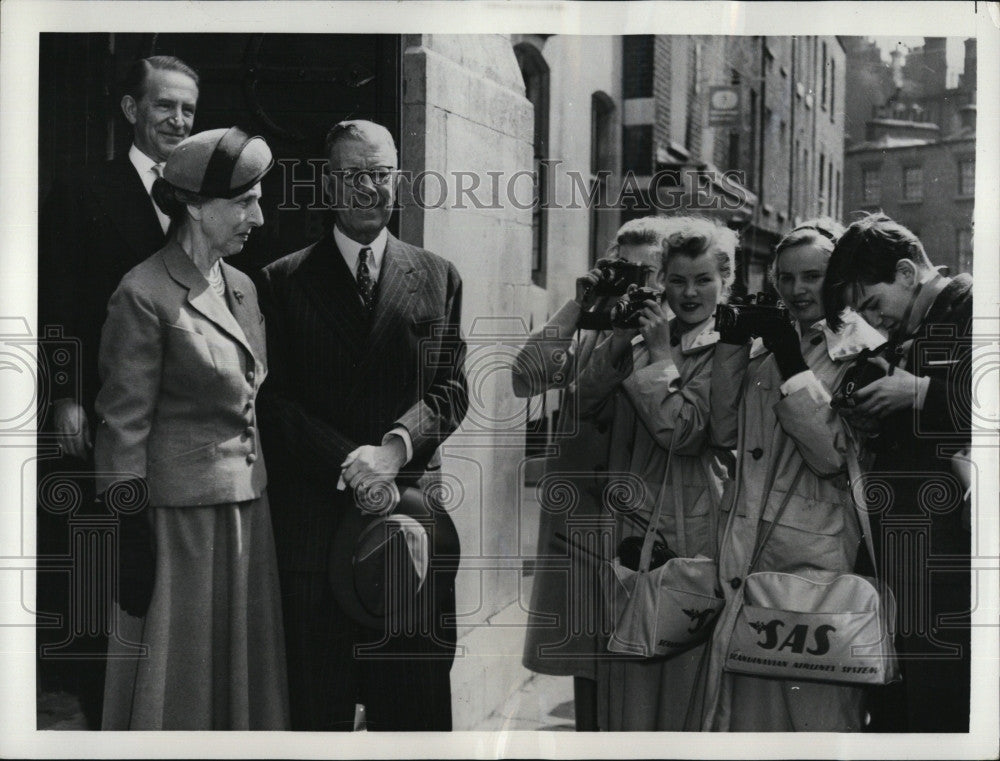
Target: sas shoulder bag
point(818, 626)
point(662, 610)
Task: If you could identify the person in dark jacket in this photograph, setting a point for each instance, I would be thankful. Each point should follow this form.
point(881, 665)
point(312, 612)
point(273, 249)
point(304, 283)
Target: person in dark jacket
point(95, 224)
point(919, 415)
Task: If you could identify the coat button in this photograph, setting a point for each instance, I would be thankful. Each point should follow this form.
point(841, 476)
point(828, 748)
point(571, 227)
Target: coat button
point(757, 453)
point(251, 458)
point(735, 582)
point(249, 405)
point(250, 431)
point(250, 376)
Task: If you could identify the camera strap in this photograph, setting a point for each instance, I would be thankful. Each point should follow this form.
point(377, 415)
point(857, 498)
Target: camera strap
point(645, 557)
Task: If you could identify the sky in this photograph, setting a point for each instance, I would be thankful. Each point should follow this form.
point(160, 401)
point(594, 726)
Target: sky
point(954, 51)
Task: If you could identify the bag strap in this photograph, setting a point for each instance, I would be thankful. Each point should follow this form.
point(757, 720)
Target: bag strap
point(777, 516)
point(772, 476)
point(856, 482)
point(654, 521)
point(713, 503)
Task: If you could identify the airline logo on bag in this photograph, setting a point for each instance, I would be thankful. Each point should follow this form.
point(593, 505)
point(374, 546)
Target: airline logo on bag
point(796, 639)
point(699, 618)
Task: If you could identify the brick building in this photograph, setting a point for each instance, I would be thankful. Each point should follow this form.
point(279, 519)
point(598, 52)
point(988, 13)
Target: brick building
point(779, 158)
point(916, 157)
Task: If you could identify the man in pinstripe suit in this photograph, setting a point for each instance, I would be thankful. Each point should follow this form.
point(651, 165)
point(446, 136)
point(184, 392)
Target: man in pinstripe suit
point(358, 396)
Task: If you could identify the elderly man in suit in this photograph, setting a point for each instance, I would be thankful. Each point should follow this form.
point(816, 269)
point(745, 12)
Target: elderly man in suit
point(96, 224)
point(366, 382)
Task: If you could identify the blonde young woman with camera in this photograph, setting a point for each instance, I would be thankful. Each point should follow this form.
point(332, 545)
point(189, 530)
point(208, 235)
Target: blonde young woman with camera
point(771, 402)
point(552, 358)
point(650, 383)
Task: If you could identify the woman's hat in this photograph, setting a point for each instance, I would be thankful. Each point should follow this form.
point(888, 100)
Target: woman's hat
point(218, 163)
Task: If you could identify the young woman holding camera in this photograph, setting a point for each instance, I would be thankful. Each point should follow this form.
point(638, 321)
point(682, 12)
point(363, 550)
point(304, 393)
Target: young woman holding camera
point(770, 401)
point(650, 383)
point(552, 358)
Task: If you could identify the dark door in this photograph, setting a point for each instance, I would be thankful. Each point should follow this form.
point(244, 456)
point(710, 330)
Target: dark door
point(289, 88)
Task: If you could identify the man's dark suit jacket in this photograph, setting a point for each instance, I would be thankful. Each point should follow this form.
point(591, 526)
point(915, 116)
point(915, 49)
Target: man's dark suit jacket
point(912, 459)
point(340, 379)
point(93, 227)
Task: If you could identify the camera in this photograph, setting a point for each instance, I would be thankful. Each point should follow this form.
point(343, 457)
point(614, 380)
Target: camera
point(752, 314)
point(630, 550)
point(617, 275)
point(625, 312)
point(858, 375)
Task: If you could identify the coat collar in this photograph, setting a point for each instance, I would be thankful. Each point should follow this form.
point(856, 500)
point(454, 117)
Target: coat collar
point(699, 338)
point(202, 298)
point(854, 337)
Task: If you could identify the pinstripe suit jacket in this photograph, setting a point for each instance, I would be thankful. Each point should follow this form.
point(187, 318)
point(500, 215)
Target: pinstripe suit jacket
point(340, 378)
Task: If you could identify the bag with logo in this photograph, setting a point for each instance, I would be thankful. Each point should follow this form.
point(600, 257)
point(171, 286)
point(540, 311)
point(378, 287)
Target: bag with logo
point(662, 610)
point(818, 625)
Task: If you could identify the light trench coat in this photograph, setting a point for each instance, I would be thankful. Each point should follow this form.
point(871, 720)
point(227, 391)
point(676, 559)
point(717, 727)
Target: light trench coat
point(562, 637)
point(779, 425)
point(651, 408)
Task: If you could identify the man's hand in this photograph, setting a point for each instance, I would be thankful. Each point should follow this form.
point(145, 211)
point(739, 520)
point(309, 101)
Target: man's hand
point(368, 464)
point(586, 292)
point(655, 329)
point(71, 424)
point(887, 395)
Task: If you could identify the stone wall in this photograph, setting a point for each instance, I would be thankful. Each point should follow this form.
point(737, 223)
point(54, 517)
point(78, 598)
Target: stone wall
point(464, 115)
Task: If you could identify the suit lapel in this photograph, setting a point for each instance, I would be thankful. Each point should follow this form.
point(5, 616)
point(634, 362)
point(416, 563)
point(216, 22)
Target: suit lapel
point(247, 316)
point(200, 295)
point(131, 209)
point(333, 293)
point(398, 280)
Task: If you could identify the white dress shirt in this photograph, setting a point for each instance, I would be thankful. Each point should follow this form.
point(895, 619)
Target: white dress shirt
point(351, 250)
point(144, 166)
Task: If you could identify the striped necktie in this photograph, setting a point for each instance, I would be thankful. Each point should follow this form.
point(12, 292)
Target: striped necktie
point(364, 276)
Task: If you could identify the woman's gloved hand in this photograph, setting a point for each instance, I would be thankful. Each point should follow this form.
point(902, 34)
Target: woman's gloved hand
point(136, 554)
point(783, 342)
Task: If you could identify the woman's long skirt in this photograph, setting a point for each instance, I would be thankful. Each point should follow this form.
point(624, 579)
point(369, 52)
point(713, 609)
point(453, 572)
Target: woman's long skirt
point(212, 636)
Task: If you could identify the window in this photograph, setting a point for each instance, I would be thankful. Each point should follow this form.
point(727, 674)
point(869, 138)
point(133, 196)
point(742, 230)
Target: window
point(833, 86)
point(637, 66)
point(913, 183)
point(733, 158)
point(829, 189)
point(637, 149)
point(835, 210)
point(602, 110)
point(535, 72)
point(963, 244)
point(754, 126)
point(967, 177)
point(822, 93)
point(871, 185)
point(820, 189)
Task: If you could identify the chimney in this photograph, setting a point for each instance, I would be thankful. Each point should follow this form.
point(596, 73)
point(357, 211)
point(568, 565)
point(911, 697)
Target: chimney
point(969, 75)
point(897, 67)
point(935, 63)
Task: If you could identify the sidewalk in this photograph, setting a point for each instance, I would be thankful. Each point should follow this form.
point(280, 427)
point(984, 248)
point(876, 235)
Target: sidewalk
point(542, 703)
